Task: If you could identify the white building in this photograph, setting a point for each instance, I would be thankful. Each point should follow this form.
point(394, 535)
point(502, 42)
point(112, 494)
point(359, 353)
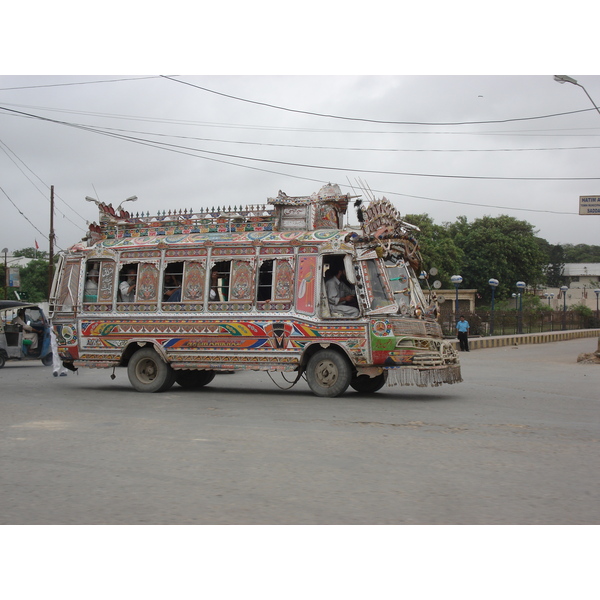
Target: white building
point(582, 275)
point(15, 261)
point(581, 279)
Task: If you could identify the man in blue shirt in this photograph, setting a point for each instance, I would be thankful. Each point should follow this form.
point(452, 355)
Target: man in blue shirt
point(462, 328)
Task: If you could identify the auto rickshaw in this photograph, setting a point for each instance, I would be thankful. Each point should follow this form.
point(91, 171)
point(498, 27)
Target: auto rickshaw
point(15, 342)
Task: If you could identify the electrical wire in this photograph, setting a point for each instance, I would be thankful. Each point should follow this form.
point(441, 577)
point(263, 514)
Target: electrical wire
point(339, 148)
point(72, 83)
point(176, 147)
point(44, 236)
point(187, 123)
point(315, 114)
point(6, 149)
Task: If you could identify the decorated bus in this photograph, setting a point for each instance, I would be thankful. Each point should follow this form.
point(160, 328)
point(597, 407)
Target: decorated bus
point(285, 286)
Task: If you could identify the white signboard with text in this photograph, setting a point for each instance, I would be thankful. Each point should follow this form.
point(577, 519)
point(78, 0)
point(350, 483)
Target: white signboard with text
point(589, 205)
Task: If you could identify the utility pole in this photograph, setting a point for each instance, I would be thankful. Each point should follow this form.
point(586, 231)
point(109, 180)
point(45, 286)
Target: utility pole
point(51, 240)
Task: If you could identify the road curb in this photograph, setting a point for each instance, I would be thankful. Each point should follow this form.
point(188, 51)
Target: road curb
point(527, 338)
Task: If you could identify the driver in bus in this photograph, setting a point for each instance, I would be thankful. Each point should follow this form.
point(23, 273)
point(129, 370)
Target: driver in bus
point(342, 299)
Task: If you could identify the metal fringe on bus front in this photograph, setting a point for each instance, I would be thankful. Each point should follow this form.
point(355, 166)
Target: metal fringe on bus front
point(423, 377)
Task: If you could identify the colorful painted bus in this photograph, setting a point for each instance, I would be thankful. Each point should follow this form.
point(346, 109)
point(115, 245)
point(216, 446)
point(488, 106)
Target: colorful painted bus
point(182, 296)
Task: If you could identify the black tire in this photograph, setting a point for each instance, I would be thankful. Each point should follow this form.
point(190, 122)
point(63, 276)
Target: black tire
point(47, 360)
point(368, 385)
point(2, 361)
point(148, 372)
point(328, 373)
point(194, 379)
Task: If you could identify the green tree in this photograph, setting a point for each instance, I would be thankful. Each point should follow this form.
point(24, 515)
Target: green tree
point(438, 248)
point(501, 247)
point(31, 253)
point(556, 263)
point(581, 253)
point(34, 281)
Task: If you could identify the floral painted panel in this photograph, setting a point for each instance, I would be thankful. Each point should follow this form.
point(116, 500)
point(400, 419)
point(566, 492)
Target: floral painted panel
point(194, 282)
point(326, 217)
point(242, 282)
point(147, 283)
point(284, 280)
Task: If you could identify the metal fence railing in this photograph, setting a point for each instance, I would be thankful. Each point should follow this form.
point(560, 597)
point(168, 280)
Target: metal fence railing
point(512, 322)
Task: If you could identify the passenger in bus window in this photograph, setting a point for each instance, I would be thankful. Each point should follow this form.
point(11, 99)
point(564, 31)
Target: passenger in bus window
point(172, 288)
point(127, 286)
point(214, 284)
point(219, 281)
point(91, 286)
point(341, 297)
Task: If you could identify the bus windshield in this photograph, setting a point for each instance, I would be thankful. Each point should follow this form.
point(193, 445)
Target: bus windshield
point(407, 292)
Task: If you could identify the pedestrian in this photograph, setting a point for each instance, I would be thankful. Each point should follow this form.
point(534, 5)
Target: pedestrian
point(57, 367)
point(462, 329)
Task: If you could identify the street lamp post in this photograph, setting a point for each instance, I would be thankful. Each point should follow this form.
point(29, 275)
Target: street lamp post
point(564, 290)
point(456, 280)
point(521, 285)
point(597, 292)
point(567, 79)
point(493, 284)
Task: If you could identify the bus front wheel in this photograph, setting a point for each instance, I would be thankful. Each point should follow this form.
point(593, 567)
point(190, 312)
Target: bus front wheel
point(149, 373)
point(328, 373)
point(368, 385)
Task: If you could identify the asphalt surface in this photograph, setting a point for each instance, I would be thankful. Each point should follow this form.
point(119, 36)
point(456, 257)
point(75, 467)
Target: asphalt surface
point(516, 443)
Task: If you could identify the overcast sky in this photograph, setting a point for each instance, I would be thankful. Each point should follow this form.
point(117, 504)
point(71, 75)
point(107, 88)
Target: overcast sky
point(441, 145)
point(445, 145)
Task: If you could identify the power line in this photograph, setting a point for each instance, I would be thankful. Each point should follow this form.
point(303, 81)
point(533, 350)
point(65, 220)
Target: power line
point(44, 236)
point(35, 186)
point(175, 148)
point(72, 83)
point(523, 132)
point(315, 114)
point(180, 151)
point(341, 148)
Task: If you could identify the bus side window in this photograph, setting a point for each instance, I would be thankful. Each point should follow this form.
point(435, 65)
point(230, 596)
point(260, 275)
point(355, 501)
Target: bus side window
point(128, 283)
point(67, 290)
point(220, 276)
point(265, 281)
point(172, 282)
point(92, 277)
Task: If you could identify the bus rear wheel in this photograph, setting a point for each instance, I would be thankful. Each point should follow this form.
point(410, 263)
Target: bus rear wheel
point(368, 385)
point(328, 373)
point(149, 373)
point(194, 379)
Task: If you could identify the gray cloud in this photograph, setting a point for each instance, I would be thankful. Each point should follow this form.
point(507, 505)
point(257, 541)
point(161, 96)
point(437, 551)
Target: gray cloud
point(80, 163)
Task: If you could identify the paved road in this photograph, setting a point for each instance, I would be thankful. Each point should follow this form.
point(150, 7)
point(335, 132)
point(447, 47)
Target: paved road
point(516, 443)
